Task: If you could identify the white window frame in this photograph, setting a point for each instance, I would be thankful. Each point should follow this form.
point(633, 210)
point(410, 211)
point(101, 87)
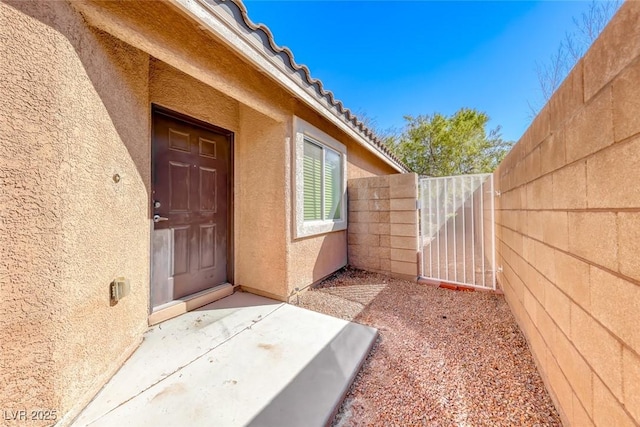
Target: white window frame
point(302, 131)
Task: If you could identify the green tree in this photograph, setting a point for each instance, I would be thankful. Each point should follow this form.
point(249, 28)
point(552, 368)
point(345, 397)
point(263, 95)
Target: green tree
point(439, 145)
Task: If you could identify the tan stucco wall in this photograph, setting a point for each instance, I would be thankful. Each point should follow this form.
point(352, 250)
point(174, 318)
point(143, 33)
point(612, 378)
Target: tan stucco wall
point(75, 109)
point(363, 163)
point(306, 260)
point(259, 173)
point(73, 112)
point(160, 30)
point(568, 232)
point(171, 88)
point(261, 228)
point(313, 258)
point(259, 237)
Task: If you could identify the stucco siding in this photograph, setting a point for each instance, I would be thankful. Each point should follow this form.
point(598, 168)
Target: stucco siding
point(315, 257)
point(171, 88)
point(74, 113)
point(260, 190)
point(364, 164)
point(259, 174)
point(269, 110)
point(77, 85)
point(160, 30)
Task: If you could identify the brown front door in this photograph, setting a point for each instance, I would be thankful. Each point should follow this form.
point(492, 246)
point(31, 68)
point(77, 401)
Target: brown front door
point(191, 182)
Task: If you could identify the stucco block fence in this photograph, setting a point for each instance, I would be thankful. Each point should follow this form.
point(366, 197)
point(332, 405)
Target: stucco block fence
point(568, 232)
point(383, 224)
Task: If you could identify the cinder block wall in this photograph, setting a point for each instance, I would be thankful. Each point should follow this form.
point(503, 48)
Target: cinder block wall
point(568, 232)
point(383, 224)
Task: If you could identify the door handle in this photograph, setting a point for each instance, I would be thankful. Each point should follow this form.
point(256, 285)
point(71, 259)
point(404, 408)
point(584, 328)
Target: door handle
point(158, 218)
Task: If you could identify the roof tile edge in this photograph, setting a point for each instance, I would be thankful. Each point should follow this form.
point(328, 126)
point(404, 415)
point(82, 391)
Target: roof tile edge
point(348, 116)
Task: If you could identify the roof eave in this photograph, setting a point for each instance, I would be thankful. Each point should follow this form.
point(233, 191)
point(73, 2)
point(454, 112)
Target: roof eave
point(270, 61)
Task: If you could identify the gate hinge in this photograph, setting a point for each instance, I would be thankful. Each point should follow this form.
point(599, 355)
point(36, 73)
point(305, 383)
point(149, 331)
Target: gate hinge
point(498, 193)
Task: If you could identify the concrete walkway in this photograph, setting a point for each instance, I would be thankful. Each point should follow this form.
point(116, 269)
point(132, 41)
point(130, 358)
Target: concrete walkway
point(243, 360)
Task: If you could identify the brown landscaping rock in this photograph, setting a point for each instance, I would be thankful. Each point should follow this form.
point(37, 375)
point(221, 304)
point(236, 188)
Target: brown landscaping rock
point(443, 358)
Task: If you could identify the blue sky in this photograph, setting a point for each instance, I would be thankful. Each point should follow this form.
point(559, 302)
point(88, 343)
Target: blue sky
point(396, 58)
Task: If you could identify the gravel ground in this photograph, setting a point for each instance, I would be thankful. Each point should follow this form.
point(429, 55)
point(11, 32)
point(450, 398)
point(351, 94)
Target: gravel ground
point(444, 358)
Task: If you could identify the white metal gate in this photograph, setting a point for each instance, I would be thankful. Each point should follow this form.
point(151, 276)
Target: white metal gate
point(457, 230)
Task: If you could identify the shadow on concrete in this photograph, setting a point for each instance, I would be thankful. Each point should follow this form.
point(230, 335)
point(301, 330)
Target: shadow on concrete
point(314, 395)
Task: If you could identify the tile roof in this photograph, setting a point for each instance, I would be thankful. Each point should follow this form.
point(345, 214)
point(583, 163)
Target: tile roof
point(238, 11)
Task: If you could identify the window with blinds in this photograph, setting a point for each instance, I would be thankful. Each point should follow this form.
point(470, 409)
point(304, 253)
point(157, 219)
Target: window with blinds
point(322, 182)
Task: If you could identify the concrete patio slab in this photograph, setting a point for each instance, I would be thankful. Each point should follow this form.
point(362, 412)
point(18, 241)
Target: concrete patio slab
point(243, 360)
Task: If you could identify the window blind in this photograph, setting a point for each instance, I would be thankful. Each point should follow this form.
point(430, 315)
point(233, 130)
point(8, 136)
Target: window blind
point(332, 181)
point(312, 175)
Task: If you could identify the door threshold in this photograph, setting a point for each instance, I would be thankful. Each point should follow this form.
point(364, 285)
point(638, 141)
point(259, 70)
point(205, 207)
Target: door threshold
point(191, 302)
